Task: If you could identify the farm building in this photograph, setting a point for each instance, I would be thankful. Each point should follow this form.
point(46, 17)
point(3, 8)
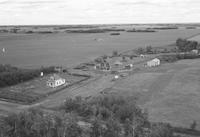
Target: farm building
point(153, 63)
point(128, 67)
point(142, 56)
point(195, 51)
point(104, 66)
point(118, 63)
point(55, 81)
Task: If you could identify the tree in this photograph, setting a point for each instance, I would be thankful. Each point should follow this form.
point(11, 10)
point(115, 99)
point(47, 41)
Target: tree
point(161, 130)
point(128, 128)
point(131, 57)
point(112, 128)
point(149, 49)
point(104, 57)
point(96, 129)
point(140, 51)
point(123, 58)
point(115, 53)
point(193, 125)
point(184, 45)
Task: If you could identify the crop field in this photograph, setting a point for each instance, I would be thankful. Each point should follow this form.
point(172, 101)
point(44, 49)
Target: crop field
point(69, 49)
point(32, 91)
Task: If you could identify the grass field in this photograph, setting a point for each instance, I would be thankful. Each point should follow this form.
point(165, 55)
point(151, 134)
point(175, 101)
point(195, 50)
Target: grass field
point(170, 92)
point(35, 50)
point(196, 38)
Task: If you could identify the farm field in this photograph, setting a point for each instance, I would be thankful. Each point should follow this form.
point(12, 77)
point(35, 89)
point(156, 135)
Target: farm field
point(36, 89)
point(196, 38)
point(69, 49)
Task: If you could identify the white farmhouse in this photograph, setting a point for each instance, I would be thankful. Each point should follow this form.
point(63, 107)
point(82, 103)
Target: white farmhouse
point(55, 81)
point(153, 63)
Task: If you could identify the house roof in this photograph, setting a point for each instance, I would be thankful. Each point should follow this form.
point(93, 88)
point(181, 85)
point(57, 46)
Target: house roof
point(118, 62)
point(54, 78)
point(156, 59)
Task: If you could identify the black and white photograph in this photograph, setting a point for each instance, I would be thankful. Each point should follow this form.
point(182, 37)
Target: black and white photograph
point(99, 68)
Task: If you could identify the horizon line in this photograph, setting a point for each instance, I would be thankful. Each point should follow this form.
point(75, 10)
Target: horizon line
point(100, 24)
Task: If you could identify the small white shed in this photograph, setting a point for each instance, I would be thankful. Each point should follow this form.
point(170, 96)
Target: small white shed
point(153, 63)
point(195, 51)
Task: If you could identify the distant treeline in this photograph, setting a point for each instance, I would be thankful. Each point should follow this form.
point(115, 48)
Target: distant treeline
point(75, 27)
point(141, 30)
point(93, 30)
point(163, 28)
point(10, 75)
point(40, 32)
point(175, 57)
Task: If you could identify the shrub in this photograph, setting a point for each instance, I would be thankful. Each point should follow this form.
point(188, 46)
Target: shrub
point(115, 53)
point(161, 130)
point(193, 125)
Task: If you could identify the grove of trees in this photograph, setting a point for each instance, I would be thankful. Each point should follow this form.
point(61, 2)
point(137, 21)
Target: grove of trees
point(104, 116)
point(10, 75)
point(185, 45)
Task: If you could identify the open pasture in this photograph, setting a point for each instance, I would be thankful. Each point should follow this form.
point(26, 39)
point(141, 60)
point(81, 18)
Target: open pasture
point(170, 92)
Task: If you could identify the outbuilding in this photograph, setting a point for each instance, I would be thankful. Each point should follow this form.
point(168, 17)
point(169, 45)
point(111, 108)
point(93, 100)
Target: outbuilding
point(118, 63)
point(153, 63)
point(104, 66)
point(195, 51)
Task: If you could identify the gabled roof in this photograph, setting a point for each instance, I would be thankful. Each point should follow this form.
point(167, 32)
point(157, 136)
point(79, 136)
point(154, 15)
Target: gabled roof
point(118, 62)
point(54, 78)
point(156, 59)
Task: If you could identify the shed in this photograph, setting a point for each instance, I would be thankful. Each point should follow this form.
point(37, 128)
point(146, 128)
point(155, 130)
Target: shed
point(195, 51)
point(118, 63)
point(153, 63)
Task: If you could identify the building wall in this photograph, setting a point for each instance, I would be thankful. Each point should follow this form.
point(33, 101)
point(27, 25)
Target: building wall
point(56, 83)
point(153, 63)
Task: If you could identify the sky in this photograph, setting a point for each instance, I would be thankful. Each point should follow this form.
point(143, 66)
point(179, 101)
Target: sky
point(48, 12)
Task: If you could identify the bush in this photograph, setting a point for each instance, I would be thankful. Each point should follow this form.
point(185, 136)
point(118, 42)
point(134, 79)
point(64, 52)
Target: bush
point(193, 125)
point(78, 106)
point(112, 129)
point(161, 130)
point(149, 49)
point(115, 53)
